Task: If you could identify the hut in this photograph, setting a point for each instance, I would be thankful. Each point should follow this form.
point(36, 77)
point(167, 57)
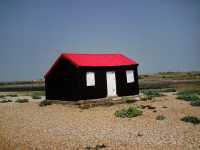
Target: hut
point(89, 76)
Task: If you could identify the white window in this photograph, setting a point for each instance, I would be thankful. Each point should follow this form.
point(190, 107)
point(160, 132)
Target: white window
point(130, 76)
point(90, 78)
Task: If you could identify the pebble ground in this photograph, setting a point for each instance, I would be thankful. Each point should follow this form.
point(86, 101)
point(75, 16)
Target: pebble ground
point(26, 126)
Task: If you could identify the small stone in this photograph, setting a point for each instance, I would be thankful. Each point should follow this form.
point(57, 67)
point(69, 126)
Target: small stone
point(137, 98)
point(116, 98)
point(139, 134)
point(150, 107)
point(164, 107)
point(142, 106)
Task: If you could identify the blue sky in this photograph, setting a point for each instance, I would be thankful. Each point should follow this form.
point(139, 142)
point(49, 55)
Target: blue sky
point(160, 35)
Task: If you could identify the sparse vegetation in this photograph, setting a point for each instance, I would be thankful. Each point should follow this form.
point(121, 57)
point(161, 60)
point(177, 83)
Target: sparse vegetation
point(8, 95)
point(38, 93)
point(22, 101)
point(195, 103)
point(97, 147)
point(173, 75)
point(179, 75)
point(189, 92)
point(168, 90)
point(2, 96)
point(145, 98)
point(36, 97)
point(191, 119)
point(45, 103)
point(12, 95)
point(154, 85)
point(108, 103)
point(160, 117)
point(5, 101)
point(129, 112)
point(147, 106)
point(188, 95)
point(21, 82)
point(128, 99)
point(150, 94)
point(33, 93)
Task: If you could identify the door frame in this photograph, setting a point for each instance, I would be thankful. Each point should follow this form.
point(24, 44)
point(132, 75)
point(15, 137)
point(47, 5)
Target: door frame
point(111, 83)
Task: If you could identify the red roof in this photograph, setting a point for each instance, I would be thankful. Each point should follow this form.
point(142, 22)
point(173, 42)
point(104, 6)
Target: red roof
point(99, 60)
point(96, 60)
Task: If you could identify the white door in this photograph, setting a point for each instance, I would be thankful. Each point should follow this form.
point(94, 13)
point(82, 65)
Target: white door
point(111, 83)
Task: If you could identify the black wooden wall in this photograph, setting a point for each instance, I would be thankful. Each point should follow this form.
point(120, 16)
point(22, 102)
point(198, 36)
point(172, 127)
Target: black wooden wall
point(100, 88)
point(67, 82)
point(62, 83)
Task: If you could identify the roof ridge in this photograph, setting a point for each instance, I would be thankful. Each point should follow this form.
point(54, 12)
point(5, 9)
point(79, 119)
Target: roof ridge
point(92, 54)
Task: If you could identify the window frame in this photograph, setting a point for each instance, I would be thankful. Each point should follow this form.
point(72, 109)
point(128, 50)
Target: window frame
point(90, 78)
point(130, 78)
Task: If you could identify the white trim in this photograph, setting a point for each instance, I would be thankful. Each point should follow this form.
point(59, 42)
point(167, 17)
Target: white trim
point(90, 79)
point(111, 83)
point(130, 76)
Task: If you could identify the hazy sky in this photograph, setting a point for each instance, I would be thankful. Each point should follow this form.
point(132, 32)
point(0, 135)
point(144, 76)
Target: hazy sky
point(162, 35)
